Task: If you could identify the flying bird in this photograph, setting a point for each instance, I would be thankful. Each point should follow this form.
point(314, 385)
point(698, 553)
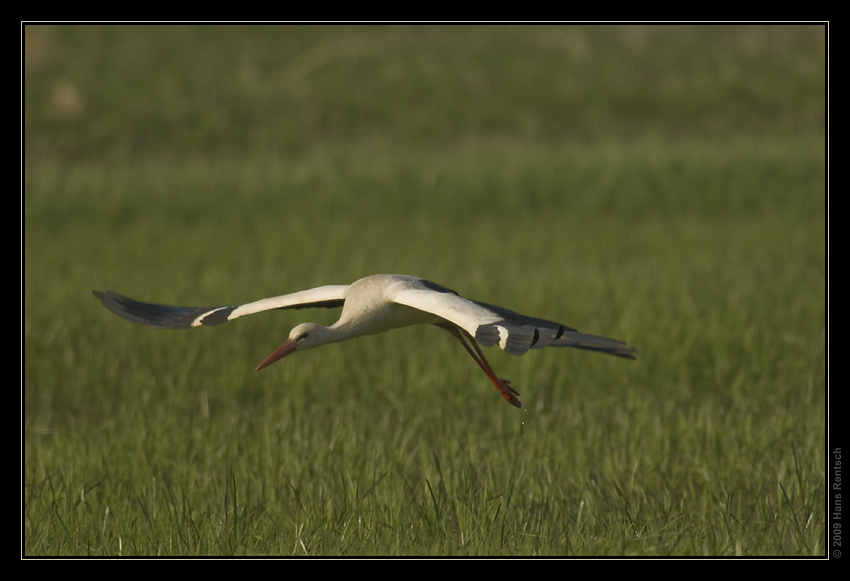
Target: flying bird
point(378, 303)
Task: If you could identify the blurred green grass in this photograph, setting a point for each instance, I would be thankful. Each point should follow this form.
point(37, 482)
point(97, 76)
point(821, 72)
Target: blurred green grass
point(197, 90)
point(663, 185)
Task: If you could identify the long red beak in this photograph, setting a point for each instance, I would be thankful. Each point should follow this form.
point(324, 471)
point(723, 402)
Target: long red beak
point(282, 351)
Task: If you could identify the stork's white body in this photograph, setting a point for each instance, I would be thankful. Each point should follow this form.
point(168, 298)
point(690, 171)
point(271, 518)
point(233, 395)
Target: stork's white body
point(372, 306)
point(379, 303)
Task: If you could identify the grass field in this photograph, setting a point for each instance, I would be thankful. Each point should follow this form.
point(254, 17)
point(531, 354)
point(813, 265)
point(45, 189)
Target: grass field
point(661, 185)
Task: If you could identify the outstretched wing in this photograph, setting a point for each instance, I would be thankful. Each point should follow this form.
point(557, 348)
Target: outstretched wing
point(169, 317)
point(491, 325)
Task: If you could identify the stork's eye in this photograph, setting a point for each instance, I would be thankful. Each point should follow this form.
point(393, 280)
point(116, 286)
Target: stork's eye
point(301, 337)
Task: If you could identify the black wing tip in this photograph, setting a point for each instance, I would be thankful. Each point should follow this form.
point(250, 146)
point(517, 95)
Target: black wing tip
point(162, 316)
point(129, 309)
point(109, 297)
point(112, 297)
point(628, 353)
point(624, 352)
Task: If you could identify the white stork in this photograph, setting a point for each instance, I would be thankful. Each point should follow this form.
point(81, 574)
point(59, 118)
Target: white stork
point(379, 303)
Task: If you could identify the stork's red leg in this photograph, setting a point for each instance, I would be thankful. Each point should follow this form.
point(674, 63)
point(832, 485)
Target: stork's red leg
point(503, 385)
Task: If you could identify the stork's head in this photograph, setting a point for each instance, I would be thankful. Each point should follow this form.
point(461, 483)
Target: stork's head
point(303, 336)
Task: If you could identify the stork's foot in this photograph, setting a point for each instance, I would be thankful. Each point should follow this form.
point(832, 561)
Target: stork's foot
point(503, 385)
point(508, 392)
point(507, 383)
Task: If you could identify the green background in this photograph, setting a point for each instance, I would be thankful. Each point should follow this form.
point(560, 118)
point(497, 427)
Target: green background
point(664, 185)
